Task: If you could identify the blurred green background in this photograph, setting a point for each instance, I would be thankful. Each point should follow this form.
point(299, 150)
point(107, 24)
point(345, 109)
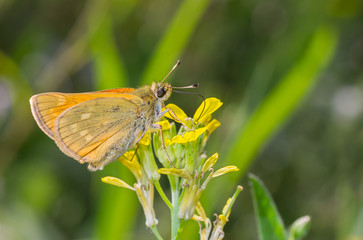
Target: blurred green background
point(289, 74)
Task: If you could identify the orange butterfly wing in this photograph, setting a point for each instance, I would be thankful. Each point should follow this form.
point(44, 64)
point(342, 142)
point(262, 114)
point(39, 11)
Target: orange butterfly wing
point(46, 107)
point(100, 130)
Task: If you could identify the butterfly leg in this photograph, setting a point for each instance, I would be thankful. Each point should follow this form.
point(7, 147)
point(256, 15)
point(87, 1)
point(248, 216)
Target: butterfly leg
point(174, 115)
point(157, 126)
point(137, 148)
point(141, 136)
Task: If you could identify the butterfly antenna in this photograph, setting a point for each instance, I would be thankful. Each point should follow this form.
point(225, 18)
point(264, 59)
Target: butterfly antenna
point(172, 70)
point(190, 86)
point(201, 113)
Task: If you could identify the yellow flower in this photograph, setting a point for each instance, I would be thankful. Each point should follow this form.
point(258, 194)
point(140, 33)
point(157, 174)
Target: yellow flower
point(193, 186)
point(145, 195)
point(202, 115)
point(202, 217)
point(222, 219)
point(143, 187)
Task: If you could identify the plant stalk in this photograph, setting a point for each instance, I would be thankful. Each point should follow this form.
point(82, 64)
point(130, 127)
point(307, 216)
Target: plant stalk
point(175, 221)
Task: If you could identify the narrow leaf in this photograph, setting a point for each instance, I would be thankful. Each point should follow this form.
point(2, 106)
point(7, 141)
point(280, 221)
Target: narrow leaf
point(299, 228)
point(269, 222)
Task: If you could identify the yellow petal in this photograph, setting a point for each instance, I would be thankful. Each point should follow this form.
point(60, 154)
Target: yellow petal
point(145, 140)
point(177, 172)
point(200, 210)
point(165, 125)
point(197, 218)
point(129, 159)
point(116, 182)
point(146, 197)
point(207, 107)
point(222, 220)
point(212, 125)
point(178, 112)
point(224, 170)
point(188, 136)
point(167, 141)
point(210, 162)
point(129, 155)
point(205, 119)
point(225, 208)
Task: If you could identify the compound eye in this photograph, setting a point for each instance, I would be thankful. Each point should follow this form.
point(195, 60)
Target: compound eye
point(161, 92)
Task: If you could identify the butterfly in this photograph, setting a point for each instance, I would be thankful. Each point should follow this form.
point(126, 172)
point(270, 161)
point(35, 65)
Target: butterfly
point(99, 127)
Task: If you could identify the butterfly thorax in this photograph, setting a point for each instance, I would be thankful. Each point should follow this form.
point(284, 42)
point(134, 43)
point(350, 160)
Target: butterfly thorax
point(153, 97)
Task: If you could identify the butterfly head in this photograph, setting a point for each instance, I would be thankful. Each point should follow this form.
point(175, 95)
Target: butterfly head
point(161, 90)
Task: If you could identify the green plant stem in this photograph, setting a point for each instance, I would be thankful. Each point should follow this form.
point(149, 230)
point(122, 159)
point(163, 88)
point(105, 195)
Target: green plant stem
point(175, 221)
point(156, 232)
point(233, 199)
point(162, 194)
point(180, 229)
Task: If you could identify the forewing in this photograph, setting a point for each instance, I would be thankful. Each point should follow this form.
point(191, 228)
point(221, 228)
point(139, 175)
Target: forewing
point(99, 130)
point(46, 107)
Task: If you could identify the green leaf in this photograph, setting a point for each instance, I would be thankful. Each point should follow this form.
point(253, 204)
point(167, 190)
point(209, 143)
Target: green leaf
point(269, 222)
point(299, 228)
point(175, 39)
